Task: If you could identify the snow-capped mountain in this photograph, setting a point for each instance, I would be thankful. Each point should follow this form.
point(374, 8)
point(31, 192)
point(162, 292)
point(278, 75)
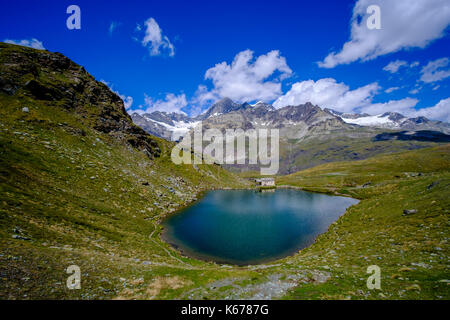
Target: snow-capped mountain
point(294, 122)
point(309, 135)
point(223, 106)
point(170, 126)
point(393, 120)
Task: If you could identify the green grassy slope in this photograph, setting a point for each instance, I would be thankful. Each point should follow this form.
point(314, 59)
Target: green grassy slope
point(411, 250)
point(300, 155)
point(76, 201)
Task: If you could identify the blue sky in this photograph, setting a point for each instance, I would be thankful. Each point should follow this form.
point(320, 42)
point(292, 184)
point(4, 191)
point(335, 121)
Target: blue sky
point(162, 55)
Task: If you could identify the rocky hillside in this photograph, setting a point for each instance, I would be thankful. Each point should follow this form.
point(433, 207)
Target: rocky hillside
point(297, 122)
point(79, 182)
point(53, 79)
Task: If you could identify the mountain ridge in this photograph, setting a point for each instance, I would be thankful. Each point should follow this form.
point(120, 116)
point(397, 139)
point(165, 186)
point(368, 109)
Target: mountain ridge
point(310, 135)
point(266, 113)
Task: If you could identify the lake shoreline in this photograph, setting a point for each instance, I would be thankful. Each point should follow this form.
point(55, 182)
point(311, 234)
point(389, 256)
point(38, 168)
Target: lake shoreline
point(321, 191)
point(186, 250)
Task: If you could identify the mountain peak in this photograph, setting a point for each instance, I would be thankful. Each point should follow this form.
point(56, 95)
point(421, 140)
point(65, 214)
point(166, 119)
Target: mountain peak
point(222, 106)
point(394, 116)
point(225, 100)
point(257, 104)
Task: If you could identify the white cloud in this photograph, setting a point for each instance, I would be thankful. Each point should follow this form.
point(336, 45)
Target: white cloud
point(392, 89)
point(202, 99)
point(404, 24)
point(327, 93)
point(155, 40)
point(113, 26)
point(246, 78)
point(127, 100)
point(407, 107)
point(441, 111)
point(403, 106)
point(434, 71)
point(32, 43)
point(394, 66)
point(171, 103)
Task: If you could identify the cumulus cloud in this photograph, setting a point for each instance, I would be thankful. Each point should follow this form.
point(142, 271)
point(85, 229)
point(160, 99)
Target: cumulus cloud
point(407, 107)
point(404, 24)
point(246, 78)
point(203, 98)
point(435, 70)
point(32, 43)
point(328, 93)
point(171, 103)
point(404, 106)
point(155, 40)
point(441, 111)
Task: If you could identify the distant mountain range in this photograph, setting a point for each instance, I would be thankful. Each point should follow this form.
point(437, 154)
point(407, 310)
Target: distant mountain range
point(309, 135)
point(295, 122)
point(392, 120)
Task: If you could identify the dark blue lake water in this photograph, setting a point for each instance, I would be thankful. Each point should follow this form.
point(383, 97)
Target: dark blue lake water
point(248, 227)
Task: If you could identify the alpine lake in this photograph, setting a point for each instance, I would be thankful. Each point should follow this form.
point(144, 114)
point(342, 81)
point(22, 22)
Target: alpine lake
point(246, 227)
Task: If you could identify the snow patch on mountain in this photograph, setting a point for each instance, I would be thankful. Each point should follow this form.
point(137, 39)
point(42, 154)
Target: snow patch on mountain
point(178, 129)
point(295, 121)
point(259, 102)
point(371, 120)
